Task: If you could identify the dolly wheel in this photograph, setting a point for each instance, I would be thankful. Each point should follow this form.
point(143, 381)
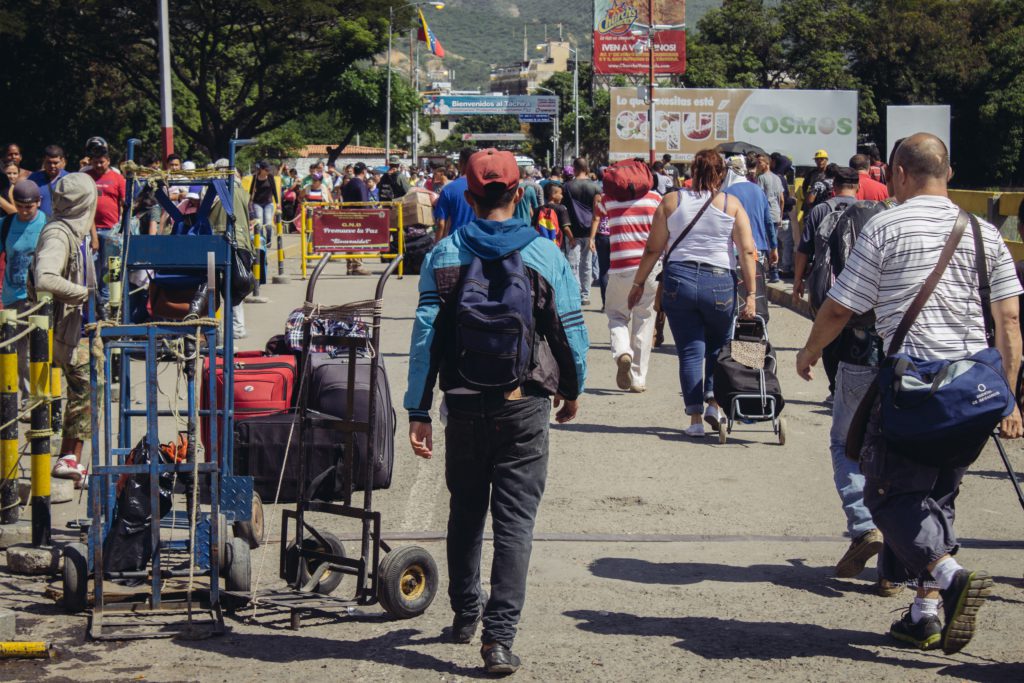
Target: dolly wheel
point(254, 531)
point(782, 431)
point(76, 577)
point(239, 573)
point(722, 432)
point(331, 578)
point(406, 582)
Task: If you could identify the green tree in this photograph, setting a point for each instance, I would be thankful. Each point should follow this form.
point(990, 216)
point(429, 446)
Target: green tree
point(244, 67)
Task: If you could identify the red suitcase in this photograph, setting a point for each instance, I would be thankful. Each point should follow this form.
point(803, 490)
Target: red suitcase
point(263, 385)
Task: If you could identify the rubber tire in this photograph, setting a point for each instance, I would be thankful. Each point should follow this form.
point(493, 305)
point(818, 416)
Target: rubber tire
point(782, 431)
point(254, 531)
point(329, 581)
point(722, 432)
point(76, 577)
point(390, 574)
point(238, 575)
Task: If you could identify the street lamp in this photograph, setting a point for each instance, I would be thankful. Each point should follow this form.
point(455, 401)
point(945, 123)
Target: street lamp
point(416, 116)
point(575, 93)
point(649, 30)
point(555, 139)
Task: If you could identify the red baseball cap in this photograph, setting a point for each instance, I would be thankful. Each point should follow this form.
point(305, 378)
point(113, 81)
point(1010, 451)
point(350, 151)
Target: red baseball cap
point(491, 166)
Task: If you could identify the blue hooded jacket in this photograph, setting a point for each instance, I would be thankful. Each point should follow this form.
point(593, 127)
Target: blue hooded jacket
point(559, 365)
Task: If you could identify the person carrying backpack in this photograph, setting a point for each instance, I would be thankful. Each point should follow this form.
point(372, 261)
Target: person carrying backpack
point(579, 199)
point(499, 326)
point(846, 184)
point(943, 289)
point(857, 352)
point(551, 220)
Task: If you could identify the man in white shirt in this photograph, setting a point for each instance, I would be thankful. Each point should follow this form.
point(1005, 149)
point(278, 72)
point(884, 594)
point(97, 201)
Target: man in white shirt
point(913, 504)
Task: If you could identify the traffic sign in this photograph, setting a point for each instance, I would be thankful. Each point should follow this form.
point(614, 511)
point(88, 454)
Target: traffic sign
point(497, 137)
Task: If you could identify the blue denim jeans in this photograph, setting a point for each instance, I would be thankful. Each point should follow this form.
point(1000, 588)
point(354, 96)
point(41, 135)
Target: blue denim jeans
point(496, 455)
point(264, 213)
point(102, 288)
point(852, 382)
point(581, 265)
point(700, 302)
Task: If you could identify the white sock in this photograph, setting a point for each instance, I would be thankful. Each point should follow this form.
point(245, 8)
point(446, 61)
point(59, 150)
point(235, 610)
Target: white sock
point(945, 571)
point(922, 607)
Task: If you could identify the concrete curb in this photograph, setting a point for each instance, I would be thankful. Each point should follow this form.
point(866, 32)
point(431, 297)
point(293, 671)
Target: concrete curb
point(781, 294)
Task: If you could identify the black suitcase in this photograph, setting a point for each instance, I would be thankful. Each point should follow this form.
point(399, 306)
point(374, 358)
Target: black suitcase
point(327, 387)
point(260, 446)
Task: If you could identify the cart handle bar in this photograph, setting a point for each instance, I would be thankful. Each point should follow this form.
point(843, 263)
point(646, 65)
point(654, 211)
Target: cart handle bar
point(311, 287)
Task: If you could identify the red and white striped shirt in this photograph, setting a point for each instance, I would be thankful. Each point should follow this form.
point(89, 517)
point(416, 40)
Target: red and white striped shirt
point(629, 223)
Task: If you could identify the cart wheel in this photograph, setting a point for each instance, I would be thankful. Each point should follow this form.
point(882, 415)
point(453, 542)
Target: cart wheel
point(782, 431)
point(238, 576)
point(406, 582)
point(254, 531)
point(722, 438)
point(76, 577)
point(331, 579)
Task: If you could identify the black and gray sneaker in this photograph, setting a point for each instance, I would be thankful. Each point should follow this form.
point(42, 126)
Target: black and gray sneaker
point(498, 659)
point(961, 602)
point(924, 635)
point(463, 630)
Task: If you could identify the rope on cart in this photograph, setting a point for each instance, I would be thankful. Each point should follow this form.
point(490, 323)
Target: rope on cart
point(277, 495)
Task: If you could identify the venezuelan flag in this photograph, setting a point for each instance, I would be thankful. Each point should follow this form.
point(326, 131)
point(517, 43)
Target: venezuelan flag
point(428, 37)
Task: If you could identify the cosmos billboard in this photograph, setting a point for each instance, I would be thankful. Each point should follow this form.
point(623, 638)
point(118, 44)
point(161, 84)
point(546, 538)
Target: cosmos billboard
point(687, 120)
point(620, 37)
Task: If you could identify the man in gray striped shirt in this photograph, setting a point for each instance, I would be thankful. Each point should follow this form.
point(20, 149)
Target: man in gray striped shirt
point(913, 505)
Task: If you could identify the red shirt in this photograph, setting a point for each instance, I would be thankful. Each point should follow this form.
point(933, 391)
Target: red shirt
point(111, 190)
point(629, 226)
point(871, 189)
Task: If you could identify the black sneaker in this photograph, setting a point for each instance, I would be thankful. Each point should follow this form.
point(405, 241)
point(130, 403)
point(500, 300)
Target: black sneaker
point(462, 630)
point(924, 635)
point(498, 659)
point(961, 602)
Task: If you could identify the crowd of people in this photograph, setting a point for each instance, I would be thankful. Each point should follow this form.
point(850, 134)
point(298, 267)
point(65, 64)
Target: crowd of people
point(699, 245)
point(693, 246)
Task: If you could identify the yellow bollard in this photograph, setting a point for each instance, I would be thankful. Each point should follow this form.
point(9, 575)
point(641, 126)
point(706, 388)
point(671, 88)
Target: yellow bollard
point(14, 650)
point(10, 511)
point(39, 383)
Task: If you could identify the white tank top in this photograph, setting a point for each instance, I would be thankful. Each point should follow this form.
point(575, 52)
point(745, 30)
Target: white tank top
point(710, 241)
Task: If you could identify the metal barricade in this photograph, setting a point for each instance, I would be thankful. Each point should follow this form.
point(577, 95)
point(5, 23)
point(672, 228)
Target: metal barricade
point(308, 250)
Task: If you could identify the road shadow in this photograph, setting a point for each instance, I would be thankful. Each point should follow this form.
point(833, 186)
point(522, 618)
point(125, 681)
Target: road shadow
point(714, 638)
point(394, 648)
point(663, 433)
point(797, 575)
point(984, 673)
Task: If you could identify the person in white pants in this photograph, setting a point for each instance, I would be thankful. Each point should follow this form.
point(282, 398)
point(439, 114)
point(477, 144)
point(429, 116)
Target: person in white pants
point(629, 225)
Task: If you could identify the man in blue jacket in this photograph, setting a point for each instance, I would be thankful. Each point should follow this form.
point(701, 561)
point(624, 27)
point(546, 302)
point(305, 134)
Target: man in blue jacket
point(497, 440)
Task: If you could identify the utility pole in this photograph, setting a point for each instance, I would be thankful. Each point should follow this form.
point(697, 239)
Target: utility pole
point(166, 103)
point(387, 113)
point(650, 90)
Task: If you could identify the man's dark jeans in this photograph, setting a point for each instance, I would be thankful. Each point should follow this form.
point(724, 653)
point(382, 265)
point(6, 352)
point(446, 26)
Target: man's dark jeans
point(496, 453)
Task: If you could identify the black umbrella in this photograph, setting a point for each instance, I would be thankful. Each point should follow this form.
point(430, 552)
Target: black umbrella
point(739, 147)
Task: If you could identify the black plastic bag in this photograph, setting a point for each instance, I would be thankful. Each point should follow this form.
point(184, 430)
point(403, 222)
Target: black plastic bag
point(129, 544)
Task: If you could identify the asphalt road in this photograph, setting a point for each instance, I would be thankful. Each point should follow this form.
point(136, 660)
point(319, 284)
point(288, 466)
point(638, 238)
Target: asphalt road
point(658, 557)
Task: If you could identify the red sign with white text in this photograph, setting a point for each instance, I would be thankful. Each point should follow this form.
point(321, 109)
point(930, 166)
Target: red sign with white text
point(620, 37)
point(350, 229)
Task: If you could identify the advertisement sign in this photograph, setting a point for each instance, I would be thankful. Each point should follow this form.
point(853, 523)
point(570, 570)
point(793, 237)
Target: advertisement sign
point(350, 229)
point(535, 118)
point(620, 37)
point(465, 105)
point(687, 120)
point(902, 121)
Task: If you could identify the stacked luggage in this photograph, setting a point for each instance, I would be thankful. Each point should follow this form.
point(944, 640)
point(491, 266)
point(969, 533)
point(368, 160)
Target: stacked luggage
point(268, 387)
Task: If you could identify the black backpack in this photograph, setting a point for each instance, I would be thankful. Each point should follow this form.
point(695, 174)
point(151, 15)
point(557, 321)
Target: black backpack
point(494, 324)
point(385, 189)
point(833, 242)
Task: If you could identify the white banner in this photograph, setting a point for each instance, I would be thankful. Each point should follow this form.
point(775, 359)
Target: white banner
point(794, 122)
point(904, 121)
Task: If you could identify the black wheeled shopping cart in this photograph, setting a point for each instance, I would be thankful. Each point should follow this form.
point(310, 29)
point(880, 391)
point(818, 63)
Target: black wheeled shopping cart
point(746, 380)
